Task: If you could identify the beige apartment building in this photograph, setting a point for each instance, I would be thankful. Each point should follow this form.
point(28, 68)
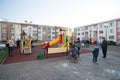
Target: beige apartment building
point(33, 31)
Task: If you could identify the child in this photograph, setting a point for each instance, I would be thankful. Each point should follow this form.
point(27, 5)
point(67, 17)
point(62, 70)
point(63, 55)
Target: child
point(95, 53)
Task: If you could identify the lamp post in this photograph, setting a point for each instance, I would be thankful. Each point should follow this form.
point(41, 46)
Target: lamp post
point(90, 36)
point(106, 31)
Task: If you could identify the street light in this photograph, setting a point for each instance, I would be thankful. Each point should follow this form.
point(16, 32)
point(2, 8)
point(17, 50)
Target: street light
point(106, 31)
point(90, 36)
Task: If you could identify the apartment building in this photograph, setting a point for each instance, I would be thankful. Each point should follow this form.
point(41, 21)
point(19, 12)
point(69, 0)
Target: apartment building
point(94, 32)
point(33, 31)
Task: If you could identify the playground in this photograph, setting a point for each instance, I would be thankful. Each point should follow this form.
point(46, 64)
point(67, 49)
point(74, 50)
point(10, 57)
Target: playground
point(18, 57)
point(43, 50)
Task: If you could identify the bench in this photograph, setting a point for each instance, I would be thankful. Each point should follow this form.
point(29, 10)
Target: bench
point(55, 51)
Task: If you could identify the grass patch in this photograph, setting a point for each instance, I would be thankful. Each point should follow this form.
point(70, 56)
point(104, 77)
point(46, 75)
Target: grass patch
point(3, 54)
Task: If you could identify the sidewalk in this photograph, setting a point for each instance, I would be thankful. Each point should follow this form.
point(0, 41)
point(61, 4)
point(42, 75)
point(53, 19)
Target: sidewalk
point(63, 69)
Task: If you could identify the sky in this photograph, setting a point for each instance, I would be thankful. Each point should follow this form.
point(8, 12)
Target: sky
point(64, 13)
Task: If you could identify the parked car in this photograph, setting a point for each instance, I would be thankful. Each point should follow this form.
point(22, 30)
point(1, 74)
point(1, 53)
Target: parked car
point(2, 45)
point(111, 43)
point(118, 43)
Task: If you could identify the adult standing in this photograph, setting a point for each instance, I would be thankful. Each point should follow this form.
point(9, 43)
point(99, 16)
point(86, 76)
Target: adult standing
point(11, 45)
point(78, 45)
point(18, 43)
point(104, 47)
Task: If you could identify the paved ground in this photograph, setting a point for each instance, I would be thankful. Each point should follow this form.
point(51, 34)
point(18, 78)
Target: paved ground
point(63, 69)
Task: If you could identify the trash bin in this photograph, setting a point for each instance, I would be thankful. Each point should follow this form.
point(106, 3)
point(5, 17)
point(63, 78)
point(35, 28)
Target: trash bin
point(40, 56)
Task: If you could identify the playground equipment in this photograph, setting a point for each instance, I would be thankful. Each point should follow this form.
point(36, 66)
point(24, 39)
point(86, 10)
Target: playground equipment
point(25, 46)
point(25, 43)
point(42, 43)
point(55, 41)
point(64, 38)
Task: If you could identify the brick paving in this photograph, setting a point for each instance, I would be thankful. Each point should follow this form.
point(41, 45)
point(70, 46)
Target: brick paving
point(63, 69)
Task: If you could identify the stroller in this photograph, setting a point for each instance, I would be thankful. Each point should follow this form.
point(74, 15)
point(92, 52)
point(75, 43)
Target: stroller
point(73, 55)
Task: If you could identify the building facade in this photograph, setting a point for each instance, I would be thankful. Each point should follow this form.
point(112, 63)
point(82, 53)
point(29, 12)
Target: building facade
point(94, 32)
point(33, 31)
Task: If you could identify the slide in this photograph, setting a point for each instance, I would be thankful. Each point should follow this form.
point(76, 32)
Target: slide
point(64, 44)
point(53, 42)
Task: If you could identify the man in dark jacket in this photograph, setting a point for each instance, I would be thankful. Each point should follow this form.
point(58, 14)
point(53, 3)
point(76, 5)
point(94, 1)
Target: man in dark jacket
point(104, 47)
point(18, 43)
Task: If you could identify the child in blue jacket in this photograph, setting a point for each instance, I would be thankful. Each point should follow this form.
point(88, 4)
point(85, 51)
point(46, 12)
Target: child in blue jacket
point(95, 53)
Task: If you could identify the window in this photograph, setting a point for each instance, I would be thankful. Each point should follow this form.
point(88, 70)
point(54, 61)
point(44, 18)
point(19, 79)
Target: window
point(100, 37)
point(82, 33)
point(39, 28)
point(39, 37)
point(49, 28)
point(75, 30)
point(13, 26)
point(34, 27)
point(100, 32)
point(86, 32)
point(53, 32)
point(100, 25)
point(111, 37)
point(53, 28)
point(118, 29)
point(78, 33)
point(111, 31)
point(119, 24)
point(49, 36)
point(39, 32)
point(111, 24)
point(53, 37)
point(86, 28)
point(82, 29)
point(49, 32)
point(78, 29)
point(94, 27)
point(44, 28)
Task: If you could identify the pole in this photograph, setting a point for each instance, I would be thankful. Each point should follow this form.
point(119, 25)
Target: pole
point(106, 31)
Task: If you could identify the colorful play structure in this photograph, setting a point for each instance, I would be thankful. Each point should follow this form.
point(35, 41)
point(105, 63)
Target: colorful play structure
point(64, 40)
point(25, 43)
point(25, 46)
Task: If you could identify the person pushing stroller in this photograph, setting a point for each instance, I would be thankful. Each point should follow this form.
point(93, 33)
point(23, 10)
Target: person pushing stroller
point(74, 54)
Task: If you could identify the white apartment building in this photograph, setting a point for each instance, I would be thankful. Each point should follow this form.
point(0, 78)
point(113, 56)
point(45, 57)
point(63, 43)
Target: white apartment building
point(94, 32)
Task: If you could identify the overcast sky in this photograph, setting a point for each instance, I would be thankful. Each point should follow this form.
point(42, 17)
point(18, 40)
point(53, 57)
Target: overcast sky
point(66, 13)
